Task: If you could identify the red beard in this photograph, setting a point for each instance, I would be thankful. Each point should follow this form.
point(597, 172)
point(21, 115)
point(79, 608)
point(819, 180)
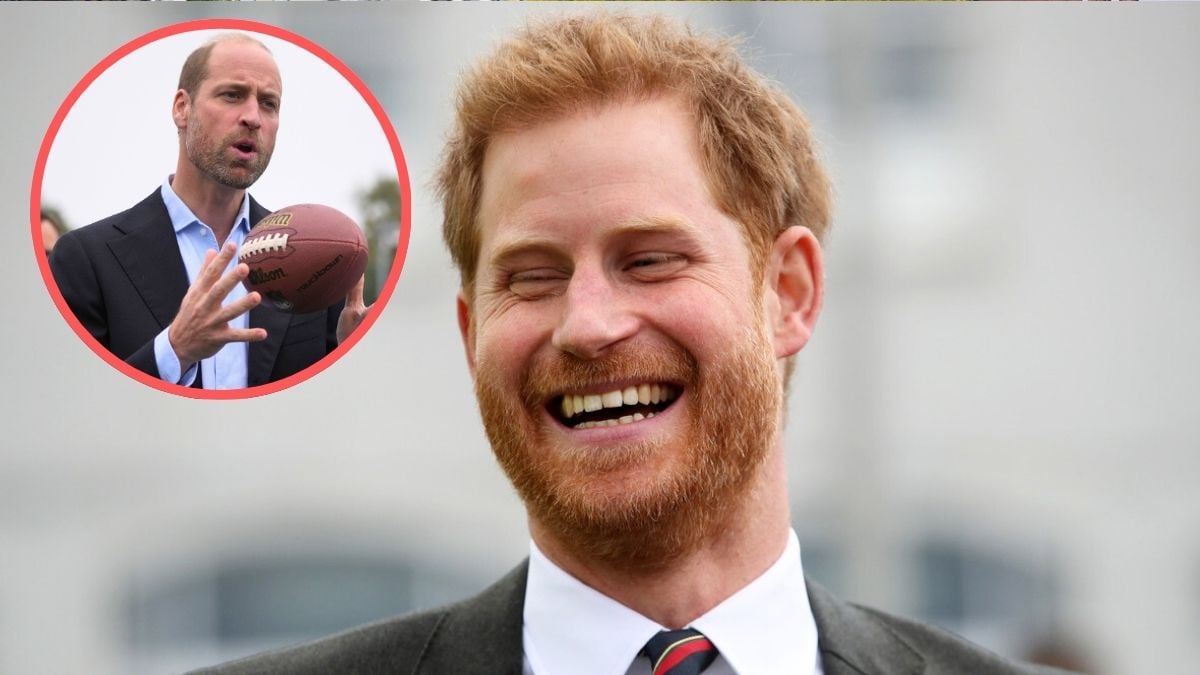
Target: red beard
point(638, 506)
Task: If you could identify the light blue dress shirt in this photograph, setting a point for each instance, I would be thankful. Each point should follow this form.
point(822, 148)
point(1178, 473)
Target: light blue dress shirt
point(227, 368)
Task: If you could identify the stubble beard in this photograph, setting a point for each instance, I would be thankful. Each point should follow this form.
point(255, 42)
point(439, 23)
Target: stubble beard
point(639, 507)
point(210, 158)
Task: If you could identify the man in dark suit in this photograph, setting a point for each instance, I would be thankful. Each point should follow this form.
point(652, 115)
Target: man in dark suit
point(157, 285)
point(636, 218)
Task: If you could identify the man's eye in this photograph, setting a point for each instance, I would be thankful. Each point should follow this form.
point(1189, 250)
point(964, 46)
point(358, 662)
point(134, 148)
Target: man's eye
point(536, 283)
point(656, 264)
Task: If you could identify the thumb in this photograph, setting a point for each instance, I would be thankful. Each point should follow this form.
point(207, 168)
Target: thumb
point(355, 297)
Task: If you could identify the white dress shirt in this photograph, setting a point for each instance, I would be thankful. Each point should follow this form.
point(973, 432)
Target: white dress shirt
point(766, 627)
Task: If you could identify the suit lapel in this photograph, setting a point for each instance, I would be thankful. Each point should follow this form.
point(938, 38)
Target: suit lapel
point(853, 642)
point(481, 636)
point(150, 257)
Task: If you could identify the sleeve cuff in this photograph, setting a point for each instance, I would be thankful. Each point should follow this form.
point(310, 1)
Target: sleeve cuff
point(168, 362)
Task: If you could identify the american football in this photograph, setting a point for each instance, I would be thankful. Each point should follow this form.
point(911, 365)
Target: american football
point(304, 258)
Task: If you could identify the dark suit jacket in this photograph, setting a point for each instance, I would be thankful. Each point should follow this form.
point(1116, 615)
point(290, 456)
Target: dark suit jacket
point(482, 636)
point(123, 277)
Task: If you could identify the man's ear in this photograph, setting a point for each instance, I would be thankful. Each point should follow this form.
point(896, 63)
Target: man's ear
point(794, 282)
point(179, 108)
point(467, 329)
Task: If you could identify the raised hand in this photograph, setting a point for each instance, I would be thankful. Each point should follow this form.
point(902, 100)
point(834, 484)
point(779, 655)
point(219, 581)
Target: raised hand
point(201, 327)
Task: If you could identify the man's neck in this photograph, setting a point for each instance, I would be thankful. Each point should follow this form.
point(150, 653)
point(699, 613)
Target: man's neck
point(740, 549)
point(214, 204)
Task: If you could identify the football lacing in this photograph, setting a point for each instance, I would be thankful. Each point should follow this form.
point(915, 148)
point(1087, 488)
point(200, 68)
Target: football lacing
point(267, 243)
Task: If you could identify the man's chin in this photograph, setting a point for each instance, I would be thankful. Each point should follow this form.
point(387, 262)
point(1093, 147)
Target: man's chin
point(624, 527)
point(238, 180)
point(614, 505)
point(241, 173)
point(628, 489)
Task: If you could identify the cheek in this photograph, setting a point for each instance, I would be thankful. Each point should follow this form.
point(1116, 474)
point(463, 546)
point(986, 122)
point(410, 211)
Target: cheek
point(705, 317)
point(504, 347)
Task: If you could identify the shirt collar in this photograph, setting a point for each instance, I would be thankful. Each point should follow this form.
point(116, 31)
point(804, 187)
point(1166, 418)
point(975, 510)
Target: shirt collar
point(767, 626)
point(182, 216)
point(569, 625)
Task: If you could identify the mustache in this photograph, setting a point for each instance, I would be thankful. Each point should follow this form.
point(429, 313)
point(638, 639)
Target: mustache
point(252, 136)
point(562, 372)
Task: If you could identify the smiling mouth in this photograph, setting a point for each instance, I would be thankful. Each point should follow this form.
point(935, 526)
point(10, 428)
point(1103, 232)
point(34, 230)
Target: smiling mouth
point(619, 406)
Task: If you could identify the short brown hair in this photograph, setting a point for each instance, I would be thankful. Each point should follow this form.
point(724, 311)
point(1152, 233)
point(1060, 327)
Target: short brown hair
point(756, 145)
point(195, 68)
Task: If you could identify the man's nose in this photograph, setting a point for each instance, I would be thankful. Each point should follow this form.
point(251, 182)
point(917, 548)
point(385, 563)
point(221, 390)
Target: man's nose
point(251, 117)
point(595, 316)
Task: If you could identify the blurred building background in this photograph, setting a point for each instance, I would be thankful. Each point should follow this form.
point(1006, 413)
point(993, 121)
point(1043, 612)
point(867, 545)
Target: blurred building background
point(994, 428)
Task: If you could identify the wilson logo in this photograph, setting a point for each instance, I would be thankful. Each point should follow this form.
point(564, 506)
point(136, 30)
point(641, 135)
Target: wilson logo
point(258, 276)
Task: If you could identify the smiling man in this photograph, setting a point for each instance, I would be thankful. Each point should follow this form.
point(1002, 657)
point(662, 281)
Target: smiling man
point(158, 285)
point(636, 217)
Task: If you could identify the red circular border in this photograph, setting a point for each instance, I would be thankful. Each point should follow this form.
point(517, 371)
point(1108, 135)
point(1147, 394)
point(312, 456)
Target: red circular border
point(401, 173)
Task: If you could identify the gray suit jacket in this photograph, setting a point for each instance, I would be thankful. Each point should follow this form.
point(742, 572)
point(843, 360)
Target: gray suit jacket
point(482, 636)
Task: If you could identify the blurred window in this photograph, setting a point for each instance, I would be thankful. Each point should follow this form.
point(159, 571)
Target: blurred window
point(238, 607)
point(1003, 602)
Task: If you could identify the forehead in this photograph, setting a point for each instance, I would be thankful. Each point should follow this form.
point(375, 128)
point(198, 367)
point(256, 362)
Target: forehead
point(605, 166)
point(242, 61)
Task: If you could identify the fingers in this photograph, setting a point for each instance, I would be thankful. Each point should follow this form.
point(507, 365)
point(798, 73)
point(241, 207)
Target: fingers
point(239, 307)
point(214, 264)
point(245, 335)
point(221, 288)
point(208, 258)
point(196, 288)
point(210, 287)
point(201, 326)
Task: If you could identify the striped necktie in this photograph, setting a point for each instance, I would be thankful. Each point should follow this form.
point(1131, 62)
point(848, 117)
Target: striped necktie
point(679, 652)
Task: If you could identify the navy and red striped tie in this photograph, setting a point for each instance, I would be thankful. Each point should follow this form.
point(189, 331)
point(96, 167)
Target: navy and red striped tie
point(679, 652)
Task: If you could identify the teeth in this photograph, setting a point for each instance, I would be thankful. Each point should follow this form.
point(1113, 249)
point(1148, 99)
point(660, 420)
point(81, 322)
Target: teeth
point(643, 394)
point(613, 399)
point(625, 419)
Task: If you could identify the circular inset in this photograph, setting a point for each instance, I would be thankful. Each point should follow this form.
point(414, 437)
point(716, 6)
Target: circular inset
point(309, 131)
